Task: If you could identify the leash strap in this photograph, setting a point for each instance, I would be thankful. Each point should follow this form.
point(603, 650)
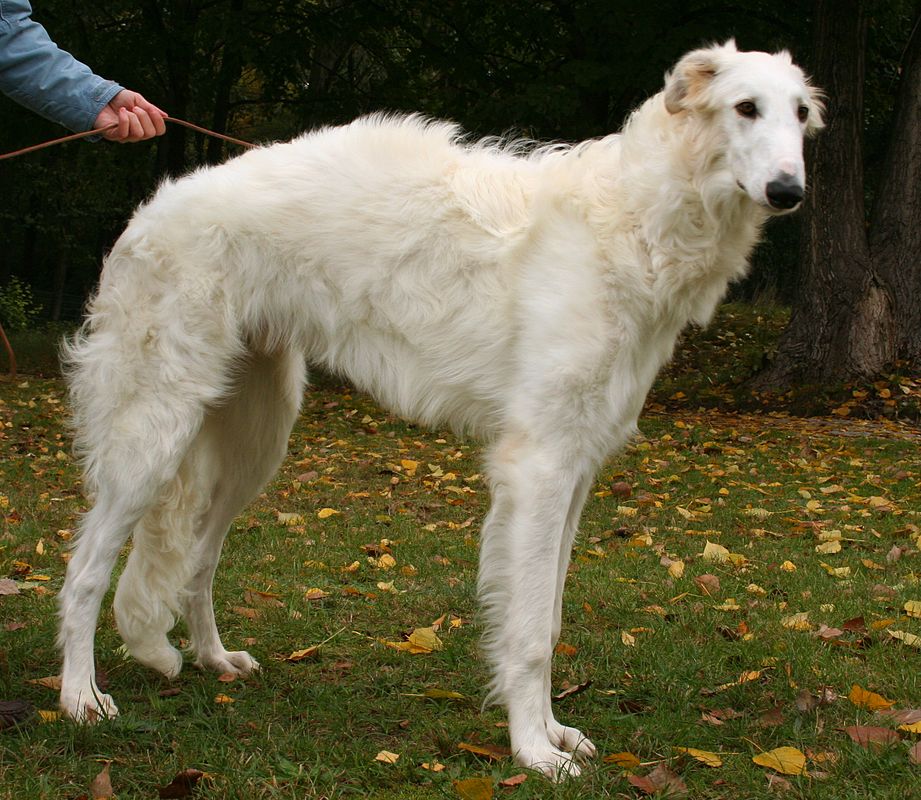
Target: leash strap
point(97, 131)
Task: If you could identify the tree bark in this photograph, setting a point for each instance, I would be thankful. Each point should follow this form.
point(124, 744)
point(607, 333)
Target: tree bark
point(895, 230)
point(859, 311)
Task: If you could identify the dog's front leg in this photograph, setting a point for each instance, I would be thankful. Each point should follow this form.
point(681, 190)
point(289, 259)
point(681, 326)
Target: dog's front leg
point(530, 523)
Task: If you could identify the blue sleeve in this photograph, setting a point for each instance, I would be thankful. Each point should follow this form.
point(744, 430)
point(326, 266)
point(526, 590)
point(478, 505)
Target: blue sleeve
point(35, 72)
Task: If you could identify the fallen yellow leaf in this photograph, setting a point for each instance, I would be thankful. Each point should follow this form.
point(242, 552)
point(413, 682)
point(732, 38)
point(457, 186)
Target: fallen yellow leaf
point(223, 698)
point(325, 513)
point(474, 788)
point(788, 566)
point(907, 638)
point(704, 756)
point(912, 727)
point(870, 700)
point(836, 572)
point(827, 548)
point(715, 552)
point(289, 519)
point(913, 608)
point(797, 622)
point(307, 652)
point(421, 640)
point(386, 757)
point(787, 760)
point(623, 760)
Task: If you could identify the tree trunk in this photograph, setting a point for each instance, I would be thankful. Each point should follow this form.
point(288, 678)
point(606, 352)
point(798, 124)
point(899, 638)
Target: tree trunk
point(832, 334)
point(895, 231)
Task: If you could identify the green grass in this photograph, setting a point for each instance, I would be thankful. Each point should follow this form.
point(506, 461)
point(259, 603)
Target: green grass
point(312, 728)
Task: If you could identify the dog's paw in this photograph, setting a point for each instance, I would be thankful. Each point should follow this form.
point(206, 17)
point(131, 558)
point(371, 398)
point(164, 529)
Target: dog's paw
point(165, 659)
point(236, 662)
point(550, 761)
point(89, 706)
point(572, 741)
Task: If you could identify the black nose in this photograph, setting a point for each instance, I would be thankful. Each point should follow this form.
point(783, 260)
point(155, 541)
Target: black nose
point(784, 193)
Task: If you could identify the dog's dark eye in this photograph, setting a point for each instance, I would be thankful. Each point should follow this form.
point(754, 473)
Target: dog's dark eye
point(747, 109)
point(803, 113)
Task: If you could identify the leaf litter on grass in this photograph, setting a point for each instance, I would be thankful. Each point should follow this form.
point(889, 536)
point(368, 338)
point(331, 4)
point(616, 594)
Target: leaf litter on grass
point(706, 469)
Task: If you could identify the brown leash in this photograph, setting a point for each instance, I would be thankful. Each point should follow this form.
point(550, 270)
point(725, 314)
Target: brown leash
point(98, 131)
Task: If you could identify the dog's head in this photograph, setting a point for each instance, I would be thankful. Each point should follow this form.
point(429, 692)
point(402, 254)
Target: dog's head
point(763, 105)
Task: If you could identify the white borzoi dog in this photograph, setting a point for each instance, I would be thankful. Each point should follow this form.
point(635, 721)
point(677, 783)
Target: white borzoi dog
point(528, 296)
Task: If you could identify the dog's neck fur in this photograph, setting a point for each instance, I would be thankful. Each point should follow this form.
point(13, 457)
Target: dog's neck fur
point(695, 224)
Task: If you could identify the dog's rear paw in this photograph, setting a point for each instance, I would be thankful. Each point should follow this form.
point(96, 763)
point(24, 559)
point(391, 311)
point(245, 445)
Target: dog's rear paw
point(88, 706)
point(236, 662)
point(552, 762)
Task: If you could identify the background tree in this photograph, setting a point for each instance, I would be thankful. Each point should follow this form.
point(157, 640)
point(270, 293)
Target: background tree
point(858, 309)
point(268, 69)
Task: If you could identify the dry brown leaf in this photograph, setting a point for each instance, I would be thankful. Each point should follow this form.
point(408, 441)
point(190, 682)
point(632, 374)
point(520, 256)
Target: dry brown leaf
point(8, 586)
point(52, 682)
point(490, 751)
point(907, 716)
point(569, 690)
point(914, 755)
point(708, 584)
point(255, 597)
point(515, 780)
point(182, 785)
point(872, 737)
point(101, 787)
point(661, 781)
point(777, 783)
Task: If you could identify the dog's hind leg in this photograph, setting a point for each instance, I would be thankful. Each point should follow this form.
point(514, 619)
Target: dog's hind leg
point(130, 464)
point(246, 440)
point(147, 600)
point(536, 501)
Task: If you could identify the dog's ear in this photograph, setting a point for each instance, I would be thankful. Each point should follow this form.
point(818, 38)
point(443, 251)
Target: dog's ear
point(816, 120)
point(691, 77)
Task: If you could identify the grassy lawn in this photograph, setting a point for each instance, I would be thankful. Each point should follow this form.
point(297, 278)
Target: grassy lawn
point(737, 574)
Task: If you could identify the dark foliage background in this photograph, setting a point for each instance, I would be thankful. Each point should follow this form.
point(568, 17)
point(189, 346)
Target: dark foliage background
point(548, 69)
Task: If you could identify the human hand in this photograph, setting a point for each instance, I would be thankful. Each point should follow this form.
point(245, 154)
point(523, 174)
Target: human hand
point(136, 118)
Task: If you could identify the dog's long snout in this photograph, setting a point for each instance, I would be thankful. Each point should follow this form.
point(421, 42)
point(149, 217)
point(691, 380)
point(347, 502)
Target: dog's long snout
point(784, 192)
